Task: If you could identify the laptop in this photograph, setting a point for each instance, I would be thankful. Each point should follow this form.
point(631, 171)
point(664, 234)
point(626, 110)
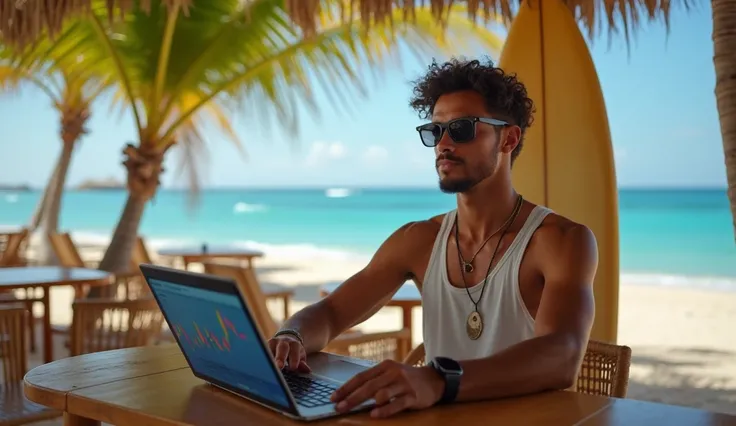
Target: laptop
point(215, 330)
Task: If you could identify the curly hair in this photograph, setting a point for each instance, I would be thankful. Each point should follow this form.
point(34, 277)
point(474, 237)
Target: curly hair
point(504, 94)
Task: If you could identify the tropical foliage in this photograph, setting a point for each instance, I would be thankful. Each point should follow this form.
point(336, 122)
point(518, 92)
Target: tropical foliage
point(71, 91)
point(595, 16)
point(177, 74)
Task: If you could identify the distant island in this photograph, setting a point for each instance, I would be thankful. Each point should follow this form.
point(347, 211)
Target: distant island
point(17, 188)
point(97, 184)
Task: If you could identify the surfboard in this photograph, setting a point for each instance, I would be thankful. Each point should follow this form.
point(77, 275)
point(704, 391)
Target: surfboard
point(567, 161)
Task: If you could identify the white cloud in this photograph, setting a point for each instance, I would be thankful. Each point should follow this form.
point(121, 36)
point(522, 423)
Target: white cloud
point(325, 151)
point(375, 154)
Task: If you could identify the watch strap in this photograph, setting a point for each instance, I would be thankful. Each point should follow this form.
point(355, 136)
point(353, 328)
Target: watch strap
point(452, 384)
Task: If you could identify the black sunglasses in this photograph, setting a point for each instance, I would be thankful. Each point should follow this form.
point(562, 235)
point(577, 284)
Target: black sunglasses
point(461, 130)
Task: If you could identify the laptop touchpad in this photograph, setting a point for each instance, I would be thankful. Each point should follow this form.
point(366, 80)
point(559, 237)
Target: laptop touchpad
point(335, 368)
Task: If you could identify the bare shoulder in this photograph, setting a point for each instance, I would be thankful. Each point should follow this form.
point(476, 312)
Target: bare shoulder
point(418, 232)
point(408, 240)
point(563, 247)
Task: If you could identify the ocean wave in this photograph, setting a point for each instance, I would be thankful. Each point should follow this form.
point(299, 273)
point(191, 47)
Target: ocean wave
point(338, 192)
point(241, 207)
point(280, 251)
point(86, 239)
point(684, 281)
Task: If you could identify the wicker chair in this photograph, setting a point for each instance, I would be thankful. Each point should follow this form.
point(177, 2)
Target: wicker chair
point(12, 256)
point(604, 371)
point(15, 409)
point(371, 346)
point(107, 324)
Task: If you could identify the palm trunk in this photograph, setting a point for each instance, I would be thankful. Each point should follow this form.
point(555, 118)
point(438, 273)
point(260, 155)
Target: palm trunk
point(724, 59)
point(48, 220)
point(118, 254)
point(41, 206)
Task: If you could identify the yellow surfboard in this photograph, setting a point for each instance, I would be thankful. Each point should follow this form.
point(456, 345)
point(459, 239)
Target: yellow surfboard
point(567, 161)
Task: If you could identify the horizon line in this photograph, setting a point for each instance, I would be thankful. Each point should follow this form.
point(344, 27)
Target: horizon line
point(73, 188)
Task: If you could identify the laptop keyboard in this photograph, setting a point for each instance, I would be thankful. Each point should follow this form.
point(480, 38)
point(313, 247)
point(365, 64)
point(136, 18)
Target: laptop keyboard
point(309, 391)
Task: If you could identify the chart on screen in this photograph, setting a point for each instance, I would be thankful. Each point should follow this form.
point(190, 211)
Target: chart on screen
point(212, 332)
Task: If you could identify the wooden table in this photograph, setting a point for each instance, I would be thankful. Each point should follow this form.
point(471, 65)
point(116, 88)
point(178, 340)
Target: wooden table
point(154, 386)
point(407, 297)
point(201, 253)
point(47, 277)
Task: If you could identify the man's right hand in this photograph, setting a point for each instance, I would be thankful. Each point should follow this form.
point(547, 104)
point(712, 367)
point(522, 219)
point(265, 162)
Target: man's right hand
point(289, 353)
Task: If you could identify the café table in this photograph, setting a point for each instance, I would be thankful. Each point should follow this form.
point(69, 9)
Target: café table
point(46, 277)
point(407, 297)
point(205, 252)
point(154, 386)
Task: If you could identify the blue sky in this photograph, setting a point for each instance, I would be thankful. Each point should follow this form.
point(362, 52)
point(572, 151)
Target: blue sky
point(659, 98)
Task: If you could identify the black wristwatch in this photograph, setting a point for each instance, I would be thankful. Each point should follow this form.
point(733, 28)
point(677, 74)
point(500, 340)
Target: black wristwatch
point(451, 371)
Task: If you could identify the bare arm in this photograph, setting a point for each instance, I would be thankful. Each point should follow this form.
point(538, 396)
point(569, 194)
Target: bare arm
point(563, 323)
point(360, 296)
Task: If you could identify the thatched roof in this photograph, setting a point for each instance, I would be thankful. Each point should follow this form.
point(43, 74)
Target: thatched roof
point(23, 20)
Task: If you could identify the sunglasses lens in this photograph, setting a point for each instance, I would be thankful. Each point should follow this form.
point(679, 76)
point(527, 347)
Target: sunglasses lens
point(462, 130)
point(431, 135)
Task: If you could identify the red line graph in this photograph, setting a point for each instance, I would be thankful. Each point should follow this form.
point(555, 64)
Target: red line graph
point(203, 337)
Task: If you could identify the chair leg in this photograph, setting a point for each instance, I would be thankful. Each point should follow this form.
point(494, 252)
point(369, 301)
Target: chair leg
point(31, 327)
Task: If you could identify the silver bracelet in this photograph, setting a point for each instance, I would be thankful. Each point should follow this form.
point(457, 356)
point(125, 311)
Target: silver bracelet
point(290, 332)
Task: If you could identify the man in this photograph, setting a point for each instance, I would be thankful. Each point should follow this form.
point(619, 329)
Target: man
point(506, 285)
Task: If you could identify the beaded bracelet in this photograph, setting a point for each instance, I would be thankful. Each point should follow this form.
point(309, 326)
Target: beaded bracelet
point(290, 332)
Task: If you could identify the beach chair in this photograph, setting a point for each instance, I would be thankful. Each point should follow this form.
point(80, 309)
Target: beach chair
point(68, 256)
point(373, 346)
point(107, 324)
point(604, 371)
point(12, 257)
point(15, 409)
point(136, 286)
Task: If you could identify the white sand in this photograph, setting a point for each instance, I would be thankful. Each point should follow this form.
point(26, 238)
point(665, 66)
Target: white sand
point(683, 341)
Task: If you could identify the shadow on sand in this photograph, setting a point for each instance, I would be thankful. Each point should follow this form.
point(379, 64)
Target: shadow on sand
point(693, 377)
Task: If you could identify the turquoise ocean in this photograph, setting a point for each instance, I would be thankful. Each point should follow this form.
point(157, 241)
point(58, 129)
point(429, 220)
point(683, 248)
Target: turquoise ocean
point(671, 237)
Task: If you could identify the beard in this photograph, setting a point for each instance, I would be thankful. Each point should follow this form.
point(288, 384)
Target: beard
point(457, 185)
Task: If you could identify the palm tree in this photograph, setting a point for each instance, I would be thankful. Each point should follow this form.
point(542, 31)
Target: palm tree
point(176, 73)
point(71, 93)
point(594, 15)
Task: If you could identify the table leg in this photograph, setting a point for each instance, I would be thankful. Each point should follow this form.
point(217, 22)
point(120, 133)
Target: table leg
point(406, 315)
point(48, 344)
point(285, 301)
point(74, 420)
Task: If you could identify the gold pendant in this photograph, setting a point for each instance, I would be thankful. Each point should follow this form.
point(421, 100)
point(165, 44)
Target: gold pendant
point(474, 325)
point(468, 268)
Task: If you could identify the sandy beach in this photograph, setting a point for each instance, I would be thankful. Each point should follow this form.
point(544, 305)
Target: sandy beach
point(683, 342)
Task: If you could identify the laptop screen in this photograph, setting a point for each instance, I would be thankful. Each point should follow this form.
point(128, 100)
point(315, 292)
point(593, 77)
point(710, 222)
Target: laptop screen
point(219, 339)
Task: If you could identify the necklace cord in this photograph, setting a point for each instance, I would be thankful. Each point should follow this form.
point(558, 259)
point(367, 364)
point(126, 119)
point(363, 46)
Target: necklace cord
point(509, 222)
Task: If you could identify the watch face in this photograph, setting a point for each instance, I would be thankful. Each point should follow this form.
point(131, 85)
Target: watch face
point(448, 365)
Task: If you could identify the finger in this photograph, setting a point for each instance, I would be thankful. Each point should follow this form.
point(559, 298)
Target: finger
point(303, 367)
point(282, 351)
point(367, 391)
point(397, 405)
point(386, 394)
point(356, 381)
point(295, 355)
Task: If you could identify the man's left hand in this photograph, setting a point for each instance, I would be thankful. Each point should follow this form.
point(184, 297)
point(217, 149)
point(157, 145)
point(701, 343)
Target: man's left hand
point(394, 386)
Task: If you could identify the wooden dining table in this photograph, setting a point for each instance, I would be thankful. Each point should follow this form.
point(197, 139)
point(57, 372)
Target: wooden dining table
point(46, 277)
point(207, 252)
point(155, 386)
point(407, 297)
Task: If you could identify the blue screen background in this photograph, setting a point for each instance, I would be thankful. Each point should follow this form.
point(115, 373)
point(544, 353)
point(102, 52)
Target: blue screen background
point(238, 360)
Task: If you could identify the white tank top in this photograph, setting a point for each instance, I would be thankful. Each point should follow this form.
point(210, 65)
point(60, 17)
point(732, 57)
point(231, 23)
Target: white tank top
point(506, 320)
